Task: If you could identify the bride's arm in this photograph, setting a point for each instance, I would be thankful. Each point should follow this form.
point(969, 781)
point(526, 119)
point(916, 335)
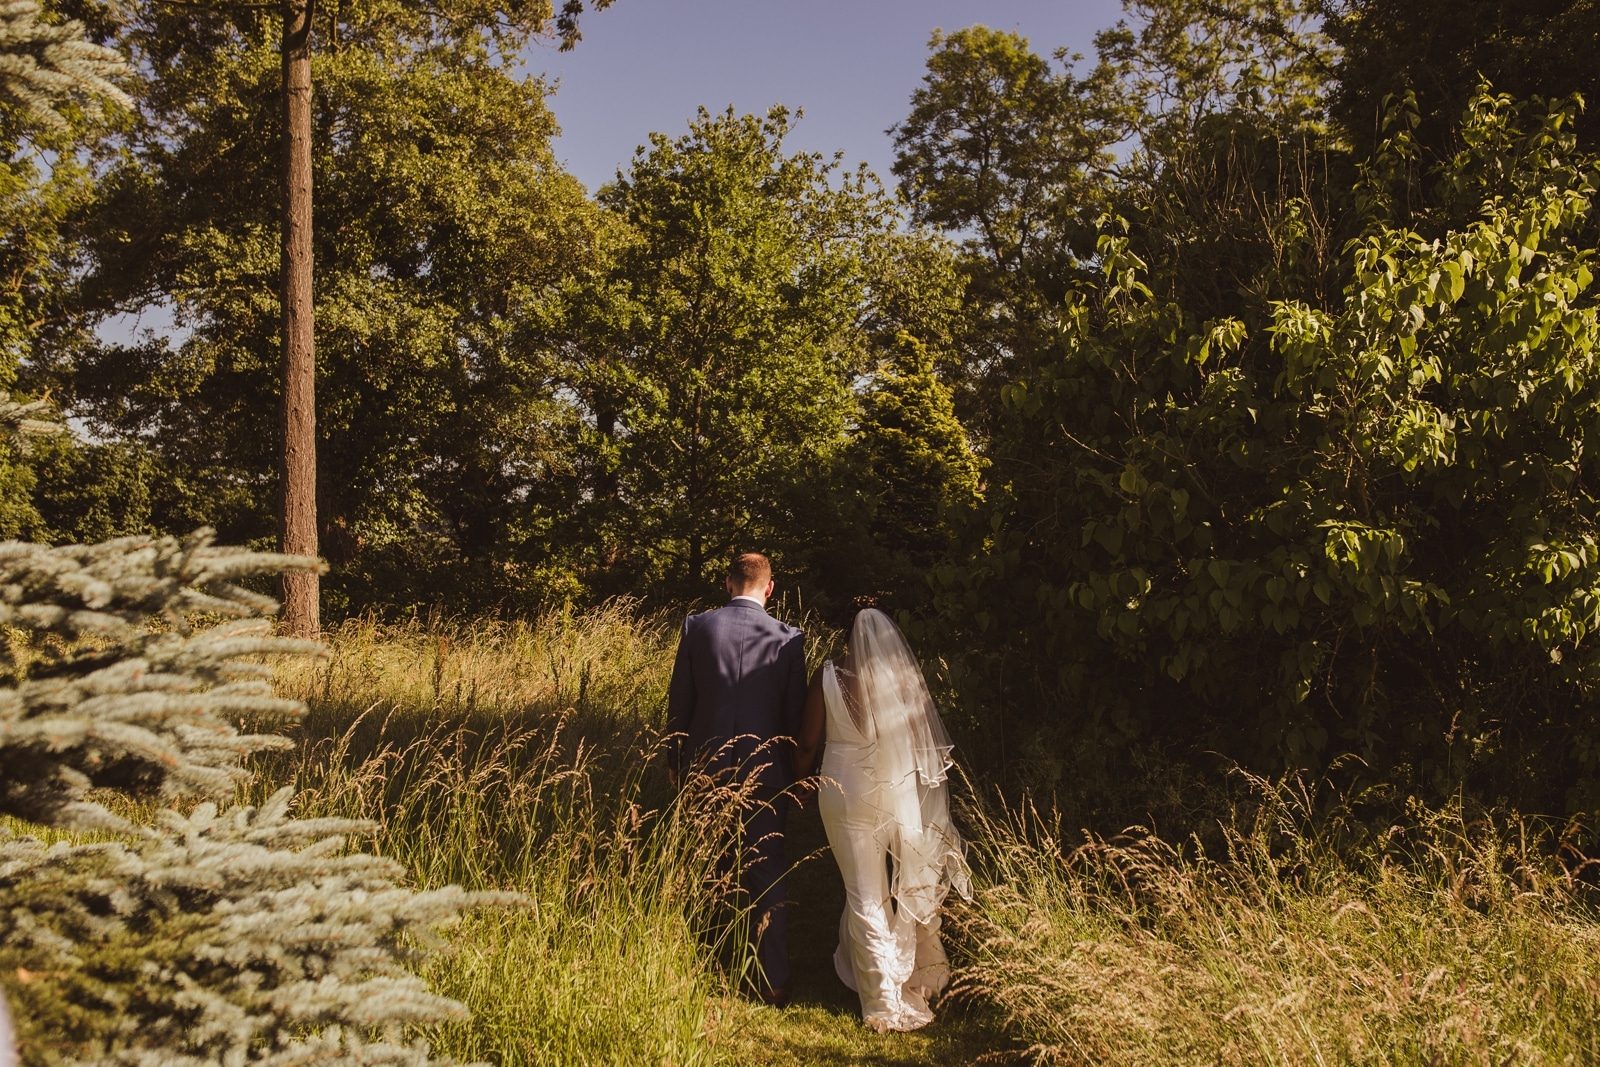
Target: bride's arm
point(811, 728)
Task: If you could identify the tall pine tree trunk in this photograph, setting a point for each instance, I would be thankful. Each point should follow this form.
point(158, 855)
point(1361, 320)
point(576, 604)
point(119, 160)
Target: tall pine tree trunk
point(298, 529)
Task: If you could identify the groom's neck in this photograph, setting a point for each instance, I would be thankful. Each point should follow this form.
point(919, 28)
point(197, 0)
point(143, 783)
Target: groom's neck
point(757, 595)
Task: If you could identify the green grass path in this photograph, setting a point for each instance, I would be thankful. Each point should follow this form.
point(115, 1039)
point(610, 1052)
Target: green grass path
point(823, 1024)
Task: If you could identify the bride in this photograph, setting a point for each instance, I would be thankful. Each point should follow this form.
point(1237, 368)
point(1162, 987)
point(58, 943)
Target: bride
point(884, 793)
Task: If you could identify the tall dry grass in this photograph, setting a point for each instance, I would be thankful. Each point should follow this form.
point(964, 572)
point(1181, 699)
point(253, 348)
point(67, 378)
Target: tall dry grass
point(1446, 941)
point(522, 756)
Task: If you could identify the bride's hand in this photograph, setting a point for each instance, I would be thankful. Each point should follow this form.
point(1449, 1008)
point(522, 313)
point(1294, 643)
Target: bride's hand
point(805, 790)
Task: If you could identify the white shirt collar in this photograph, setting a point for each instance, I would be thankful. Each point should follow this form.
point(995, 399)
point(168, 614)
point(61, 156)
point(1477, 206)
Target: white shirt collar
point(757, 601)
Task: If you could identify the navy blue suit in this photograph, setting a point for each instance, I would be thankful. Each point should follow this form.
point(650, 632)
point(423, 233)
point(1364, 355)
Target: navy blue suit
point(738, 690)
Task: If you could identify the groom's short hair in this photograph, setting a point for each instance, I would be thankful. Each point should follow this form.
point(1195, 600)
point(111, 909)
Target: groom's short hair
point(749, 569)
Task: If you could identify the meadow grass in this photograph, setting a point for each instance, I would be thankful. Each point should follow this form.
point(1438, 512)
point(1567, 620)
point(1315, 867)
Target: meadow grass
point(524, 756)
point(520, 756)
point(1304, 940)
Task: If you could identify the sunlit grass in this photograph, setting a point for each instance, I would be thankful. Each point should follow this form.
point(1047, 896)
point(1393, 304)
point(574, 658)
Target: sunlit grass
point(523, 756)
point(1446, 941)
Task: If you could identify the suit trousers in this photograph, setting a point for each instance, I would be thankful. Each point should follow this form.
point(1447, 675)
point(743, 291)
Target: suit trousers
point(765, 862)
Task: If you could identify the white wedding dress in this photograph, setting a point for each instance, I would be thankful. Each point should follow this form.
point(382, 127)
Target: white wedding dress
point(885, 797)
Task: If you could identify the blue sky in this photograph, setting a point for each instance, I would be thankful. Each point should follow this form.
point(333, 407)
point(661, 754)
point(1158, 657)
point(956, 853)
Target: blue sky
point(645, 65)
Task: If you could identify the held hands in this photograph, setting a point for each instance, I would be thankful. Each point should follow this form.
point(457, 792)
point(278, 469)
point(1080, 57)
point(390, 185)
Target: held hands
point(805, 790)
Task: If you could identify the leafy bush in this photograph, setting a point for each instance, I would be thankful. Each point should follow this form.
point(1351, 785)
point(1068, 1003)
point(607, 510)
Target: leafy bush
point(1361, 525)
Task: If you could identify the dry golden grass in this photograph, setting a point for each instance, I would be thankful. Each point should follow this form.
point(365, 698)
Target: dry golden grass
point(1448, 941)
point(522, 756)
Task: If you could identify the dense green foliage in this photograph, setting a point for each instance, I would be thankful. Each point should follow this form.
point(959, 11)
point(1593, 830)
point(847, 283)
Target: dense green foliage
point(1280, 532)
point(1440, 51)
point(53, 90)
point(917, 479)
point(1183, 406)
point(721, 346)
point(444, 225)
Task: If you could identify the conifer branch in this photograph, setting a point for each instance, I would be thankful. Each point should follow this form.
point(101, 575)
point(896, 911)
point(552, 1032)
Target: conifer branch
point(45, 66)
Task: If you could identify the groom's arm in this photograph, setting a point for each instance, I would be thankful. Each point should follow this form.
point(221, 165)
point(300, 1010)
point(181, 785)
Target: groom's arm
point(680, 702)
point(808, 741)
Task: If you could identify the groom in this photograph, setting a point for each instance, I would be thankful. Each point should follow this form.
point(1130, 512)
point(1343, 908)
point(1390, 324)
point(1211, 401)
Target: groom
point(738, 688)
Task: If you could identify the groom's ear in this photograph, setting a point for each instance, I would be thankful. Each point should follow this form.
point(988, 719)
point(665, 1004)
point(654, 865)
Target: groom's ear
point(771, 585)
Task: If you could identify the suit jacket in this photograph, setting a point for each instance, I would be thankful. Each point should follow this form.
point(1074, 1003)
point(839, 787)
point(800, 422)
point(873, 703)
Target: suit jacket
point(739, 680)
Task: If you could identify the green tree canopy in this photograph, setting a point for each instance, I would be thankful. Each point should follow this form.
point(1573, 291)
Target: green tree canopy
point(1439, 52)
point(444, 227)
point(917, 475)
point(1363, 527)
point(744, 304)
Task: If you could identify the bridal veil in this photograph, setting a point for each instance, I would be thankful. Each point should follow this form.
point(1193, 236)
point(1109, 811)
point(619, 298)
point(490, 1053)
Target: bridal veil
point(908, 763)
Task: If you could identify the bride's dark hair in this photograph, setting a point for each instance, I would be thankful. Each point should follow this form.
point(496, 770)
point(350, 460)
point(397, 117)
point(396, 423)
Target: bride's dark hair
point(845, 618)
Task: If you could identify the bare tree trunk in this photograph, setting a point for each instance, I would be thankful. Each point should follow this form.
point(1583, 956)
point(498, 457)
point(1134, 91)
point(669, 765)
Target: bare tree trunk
point(298, 530)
